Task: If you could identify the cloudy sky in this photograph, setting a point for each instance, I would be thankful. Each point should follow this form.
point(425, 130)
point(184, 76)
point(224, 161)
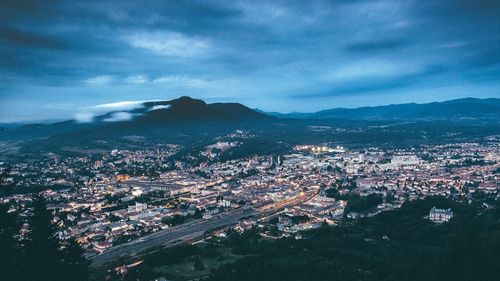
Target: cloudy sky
point(59, 57)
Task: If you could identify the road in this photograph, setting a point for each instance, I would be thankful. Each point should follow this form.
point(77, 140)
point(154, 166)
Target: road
point(173, 236)
point(272, 210)
point(194, 229)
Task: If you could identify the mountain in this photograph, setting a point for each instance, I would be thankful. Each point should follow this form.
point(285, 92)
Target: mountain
point(193, 123)
point(185, 109)
point(156, 119)
point(467, 109)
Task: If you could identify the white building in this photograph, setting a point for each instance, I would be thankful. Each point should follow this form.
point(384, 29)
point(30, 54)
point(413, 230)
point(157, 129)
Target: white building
point(403, 161)
point(440, 215)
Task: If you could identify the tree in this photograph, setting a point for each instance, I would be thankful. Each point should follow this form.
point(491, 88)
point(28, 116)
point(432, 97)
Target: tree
point(6, 186)
point(141, 272)
point(9, 229)
point(41, 257)
point(357, 203)
point(114, 218)
point(76, 266)
point(333, 193)
point(44, 256)
point(198, 264)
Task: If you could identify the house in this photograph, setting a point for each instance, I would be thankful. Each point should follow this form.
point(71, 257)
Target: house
point(138, 207)
point(488, 187)
point(101, 246)
point(440, 215)
point(117, 226)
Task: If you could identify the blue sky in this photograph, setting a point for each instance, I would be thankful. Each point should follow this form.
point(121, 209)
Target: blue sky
point(58, 58)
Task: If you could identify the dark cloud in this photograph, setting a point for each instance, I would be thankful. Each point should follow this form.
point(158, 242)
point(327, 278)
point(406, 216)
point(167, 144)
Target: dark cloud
point(371, 85)
point(17, 37)
point(375, 46)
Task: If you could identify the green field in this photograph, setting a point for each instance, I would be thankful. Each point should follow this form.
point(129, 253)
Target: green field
point(185, 270)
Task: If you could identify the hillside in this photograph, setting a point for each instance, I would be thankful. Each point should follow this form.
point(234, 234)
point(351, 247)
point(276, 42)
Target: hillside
point(397, 245)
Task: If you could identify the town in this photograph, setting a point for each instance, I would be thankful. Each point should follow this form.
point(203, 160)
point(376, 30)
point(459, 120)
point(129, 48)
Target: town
point(124, 202)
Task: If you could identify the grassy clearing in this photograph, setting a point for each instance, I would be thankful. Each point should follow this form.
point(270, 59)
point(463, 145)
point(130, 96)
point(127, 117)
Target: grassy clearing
point(186, 271)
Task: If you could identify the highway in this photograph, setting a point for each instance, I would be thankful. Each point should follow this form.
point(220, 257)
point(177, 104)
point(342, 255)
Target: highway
point(194, 229)
point(173, 236)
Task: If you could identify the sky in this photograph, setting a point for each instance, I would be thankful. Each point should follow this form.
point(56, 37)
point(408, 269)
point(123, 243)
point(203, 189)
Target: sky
point(61, 58)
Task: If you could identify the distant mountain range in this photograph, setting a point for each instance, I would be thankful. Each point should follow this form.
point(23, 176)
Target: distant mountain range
point(188, 113)
point(186, 109)
point(453, 110)
point(189, 121)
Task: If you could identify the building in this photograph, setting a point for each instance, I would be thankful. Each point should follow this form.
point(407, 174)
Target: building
point(138, 207)
point(404, 161)
point(440, 215)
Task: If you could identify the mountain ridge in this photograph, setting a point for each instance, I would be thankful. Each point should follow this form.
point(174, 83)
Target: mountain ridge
point(466, 108)
point(194, 124)
point(191, 110)
point(150, 118)
point(172, 120)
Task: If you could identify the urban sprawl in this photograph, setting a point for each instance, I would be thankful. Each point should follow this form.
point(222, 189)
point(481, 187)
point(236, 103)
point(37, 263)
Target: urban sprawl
point(124, 202)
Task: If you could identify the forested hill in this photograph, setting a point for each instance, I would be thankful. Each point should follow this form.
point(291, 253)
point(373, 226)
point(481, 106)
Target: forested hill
point(397, 245)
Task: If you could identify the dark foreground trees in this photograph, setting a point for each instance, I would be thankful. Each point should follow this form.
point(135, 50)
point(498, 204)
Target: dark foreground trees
point(396, 245)
point(9, 231)
point(38, 254)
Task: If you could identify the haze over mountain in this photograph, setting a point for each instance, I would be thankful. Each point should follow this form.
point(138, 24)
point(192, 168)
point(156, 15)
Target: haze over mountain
point(183, 109)
point(162, 119)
